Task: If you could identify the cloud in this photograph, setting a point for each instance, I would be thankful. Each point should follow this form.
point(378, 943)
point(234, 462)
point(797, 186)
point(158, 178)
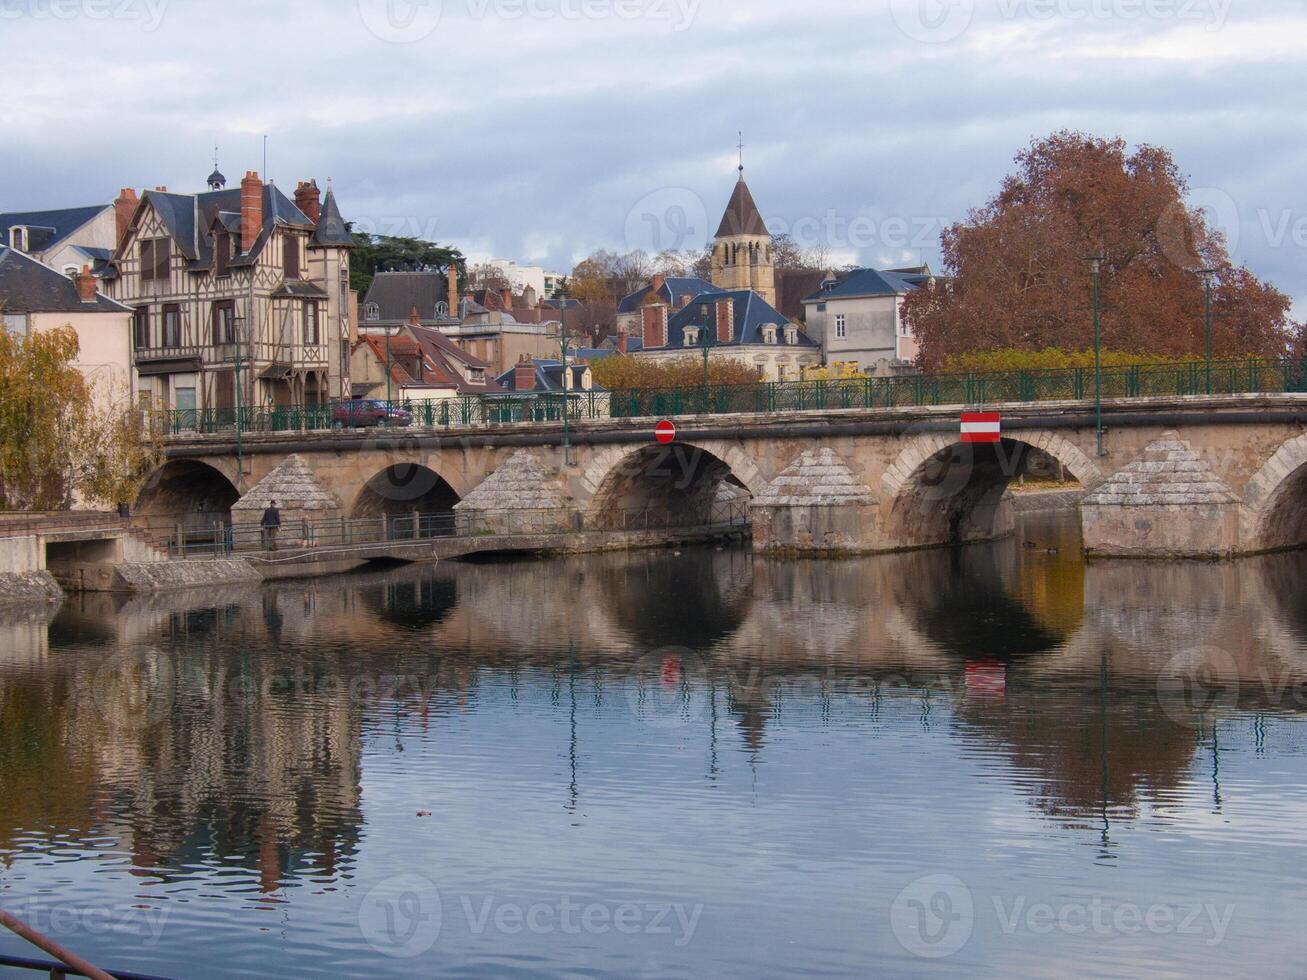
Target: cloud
point(532, 128)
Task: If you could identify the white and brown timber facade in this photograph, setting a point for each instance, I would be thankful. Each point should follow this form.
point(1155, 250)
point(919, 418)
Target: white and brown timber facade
point(241, 296)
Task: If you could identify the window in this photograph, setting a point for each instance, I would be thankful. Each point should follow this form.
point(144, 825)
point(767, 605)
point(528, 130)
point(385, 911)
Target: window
point(141, 327)
point(691, 336)
point(769, 333)
point(16, 323)
point(791, 335)
point(903, 330)
point(18, 239)
point(172, 325)
point(290, 256)
point(154, 259)
point(840, 327)
point(224, 321)
point(311, 333)
point(372, 311)
point(222, 253)
point(442, 308)
point(476, 375)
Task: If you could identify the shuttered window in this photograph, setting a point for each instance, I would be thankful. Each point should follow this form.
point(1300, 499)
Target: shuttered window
point(290, 256)
point(141, 327)
point(154, 259)
point(224, 322)
point(222, 250)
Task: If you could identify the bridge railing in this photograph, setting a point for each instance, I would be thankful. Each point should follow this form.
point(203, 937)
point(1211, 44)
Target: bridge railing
point(908, 391)
point(225, 539)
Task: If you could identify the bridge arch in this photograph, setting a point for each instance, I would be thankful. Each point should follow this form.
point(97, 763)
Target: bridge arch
point(668, 485)
point(402, 488)
point(944, 492)
point(187, 491)
point(1275, 500)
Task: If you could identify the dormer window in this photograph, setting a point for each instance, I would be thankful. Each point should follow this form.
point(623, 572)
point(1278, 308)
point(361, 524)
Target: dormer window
point(476, 375)
point(691, 337)
point(769, 333)
point(154, 259)
point(442, 308)
point(372, 312)
point(222, 252)
point(791, 335)
point(18, 239)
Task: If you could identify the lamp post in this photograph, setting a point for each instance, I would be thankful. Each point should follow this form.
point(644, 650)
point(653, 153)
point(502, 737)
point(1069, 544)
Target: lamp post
point(1096, 262)
point(703, 342)
point(564, 377)
point(1207, 318)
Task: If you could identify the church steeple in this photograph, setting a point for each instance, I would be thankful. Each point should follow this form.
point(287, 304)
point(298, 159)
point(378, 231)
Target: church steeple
point(216, 180)
point(741, 254)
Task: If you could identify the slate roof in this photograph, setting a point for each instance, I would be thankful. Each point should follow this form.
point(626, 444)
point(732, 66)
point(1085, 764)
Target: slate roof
point(752, 313)
point(673, 286)
point(27, 286)
point(742, 216)
point(332, 232)
point(1168, 473)
point(189, 219)
point(397, 293)
point(57, 223)
point(548, 377)
point(870, 282)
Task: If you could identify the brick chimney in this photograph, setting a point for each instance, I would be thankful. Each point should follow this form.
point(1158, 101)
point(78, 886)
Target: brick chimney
point(657, 283)
point(623, 342)
point(85, 283)
point(524, 374)
point(451, 279)
point(308, 199)
point(725, 310)
point(506, 297)
point(655, 326)
point(414, 318)
point(124, 206)
point(251, 210)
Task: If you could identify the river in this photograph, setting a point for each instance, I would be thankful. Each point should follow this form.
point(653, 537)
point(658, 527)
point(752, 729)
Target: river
point(980, 762)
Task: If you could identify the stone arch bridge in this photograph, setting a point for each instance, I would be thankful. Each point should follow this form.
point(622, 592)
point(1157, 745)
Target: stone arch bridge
point(1177, 476)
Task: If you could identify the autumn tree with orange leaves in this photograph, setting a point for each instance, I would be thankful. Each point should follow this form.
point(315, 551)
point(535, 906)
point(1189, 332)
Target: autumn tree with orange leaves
point(1017, 275)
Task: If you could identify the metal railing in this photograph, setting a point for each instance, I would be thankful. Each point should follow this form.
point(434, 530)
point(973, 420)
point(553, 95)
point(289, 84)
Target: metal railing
point(65, 964)
point(908, 391)
point(224, 538)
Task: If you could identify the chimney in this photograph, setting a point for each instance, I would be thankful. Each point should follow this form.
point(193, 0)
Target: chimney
point(251, 210)
point(658, 282)
point(524, 374)
point(623, 342)
point(85, 285)
point(725, 310)
point(414, 318)
point(655, 326)
point(451, 279)
point(506, 297)
point(308, 200)
point(123, 209)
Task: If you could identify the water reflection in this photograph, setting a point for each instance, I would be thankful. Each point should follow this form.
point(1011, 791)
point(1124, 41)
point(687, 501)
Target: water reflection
point(264, 746)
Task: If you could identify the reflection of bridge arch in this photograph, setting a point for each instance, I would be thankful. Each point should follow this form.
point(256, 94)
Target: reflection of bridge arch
point(187, 490)
point(947, 492)
point(675, 484)
point(1275, 500)
point(401, 489)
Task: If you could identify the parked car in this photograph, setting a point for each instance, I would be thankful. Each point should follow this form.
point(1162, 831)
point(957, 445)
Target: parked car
point(364, 412)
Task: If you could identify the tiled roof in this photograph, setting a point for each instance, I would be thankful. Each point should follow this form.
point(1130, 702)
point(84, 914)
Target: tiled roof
point(869, 282)
point(548, 377)
point(673, 287)
point(742, 216)
point(441, 358)
point(27, 286)
point(60, 222)
point(752, 313)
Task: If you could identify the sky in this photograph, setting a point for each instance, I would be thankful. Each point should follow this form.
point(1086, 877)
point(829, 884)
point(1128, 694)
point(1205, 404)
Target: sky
point(542, 130)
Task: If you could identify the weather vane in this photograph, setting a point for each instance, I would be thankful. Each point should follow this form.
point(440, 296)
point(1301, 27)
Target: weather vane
point(741, 144)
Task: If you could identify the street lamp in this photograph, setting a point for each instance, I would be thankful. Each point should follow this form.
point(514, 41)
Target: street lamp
point(1207, 275)
point(703, 342)
point(564, 376)
point(1096, 262)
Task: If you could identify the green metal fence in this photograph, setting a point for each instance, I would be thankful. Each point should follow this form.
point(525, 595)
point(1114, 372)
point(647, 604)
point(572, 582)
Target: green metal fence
point(909, 391)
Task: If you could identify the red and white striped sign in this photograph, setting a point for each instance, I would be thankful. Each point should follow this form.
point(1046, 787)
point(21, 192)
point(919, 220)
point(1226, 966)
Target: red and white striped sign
point(665, 433)
point(981, 426)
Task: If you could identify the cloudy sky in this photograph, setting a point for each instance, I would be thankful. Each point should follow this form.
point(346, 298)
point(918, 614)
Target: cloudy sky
point(541, 130)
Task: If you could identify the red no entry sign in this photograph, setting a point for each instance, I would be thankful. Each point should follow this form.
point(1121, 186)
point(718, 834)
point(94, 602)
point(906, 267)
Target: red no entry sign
point(981, 426)
point(665, 433)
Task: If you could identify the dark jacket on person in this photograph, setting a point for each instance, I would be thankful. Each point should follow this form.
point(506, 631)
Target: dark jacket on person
point(272, 517)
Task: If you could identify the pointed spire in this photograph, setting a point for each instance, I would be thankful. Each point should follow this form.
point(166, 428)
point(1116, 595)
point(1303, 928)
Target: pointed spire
point(742, 216)
point(331, 231)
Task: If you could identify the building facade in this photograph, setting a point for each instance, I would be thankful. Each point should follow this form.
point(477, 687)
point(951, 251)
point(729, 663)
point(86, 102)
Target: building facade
point(240, 297)
point(858, 317)
point(64, 239)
